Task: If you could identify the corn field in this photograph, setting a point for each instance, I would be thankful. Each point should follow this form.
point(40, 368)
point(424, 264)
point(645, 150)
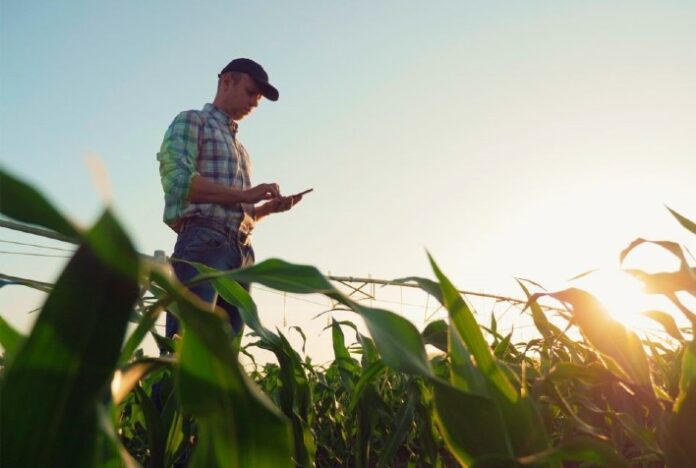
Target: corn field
point(78, 391)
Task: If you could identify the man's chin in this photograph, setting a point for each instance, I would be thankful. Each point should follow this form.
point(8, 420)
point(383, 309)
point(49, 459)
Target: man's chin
point(240, 115)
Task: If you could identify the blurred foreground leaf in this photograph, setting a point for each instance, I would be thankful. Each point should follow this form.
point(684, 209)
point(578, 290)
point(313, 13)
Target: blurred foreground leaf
point(64, 367)
point(22, 202)
point(238, 425)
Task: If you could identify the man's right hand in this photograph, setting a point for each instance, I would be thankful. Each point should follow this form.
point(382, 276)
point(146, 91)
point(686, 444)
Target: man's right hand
point(261, 192)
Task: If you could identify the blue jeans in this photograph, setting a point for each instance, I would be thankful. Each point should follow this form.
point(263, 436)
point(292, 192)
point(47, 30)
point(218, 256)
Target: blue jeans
point(209, 242)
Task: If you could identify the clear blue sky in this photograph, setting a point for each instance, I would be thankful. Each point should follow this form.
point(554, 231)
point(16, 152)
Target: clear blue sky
point(530, 139)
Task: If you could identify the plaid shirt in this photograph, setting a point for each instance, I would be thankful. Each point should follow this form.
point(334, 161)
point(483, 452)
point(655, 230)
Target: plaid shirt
point(203, 143)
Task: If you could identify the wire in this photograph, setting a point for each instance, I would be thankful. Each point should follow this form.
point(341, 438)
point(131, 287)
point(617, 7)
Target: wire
point(29, 254)
point(383, 301)
point(37, 245)
point(290, 296)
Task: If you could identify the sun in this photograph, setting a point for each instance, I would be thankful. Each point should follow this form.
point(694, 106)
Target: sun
point(623, 297)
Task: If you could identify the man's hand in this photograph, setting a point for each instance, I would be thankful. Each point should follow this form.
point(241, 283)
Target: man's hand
point(277, 205)
point(285, 203)
point(262, 192)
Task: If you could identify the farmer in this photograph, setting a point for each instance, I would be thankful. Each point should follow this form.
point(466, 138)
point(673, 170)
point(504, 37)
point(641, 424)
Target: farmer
point(206, 174)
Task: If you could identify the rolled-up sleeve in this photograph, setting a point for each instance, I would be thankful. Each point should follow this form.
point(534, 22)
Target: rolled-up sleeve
point(177, 162)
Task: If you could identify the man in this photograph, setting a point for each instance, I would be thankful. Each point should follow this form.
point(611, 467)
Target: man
point(206, 176)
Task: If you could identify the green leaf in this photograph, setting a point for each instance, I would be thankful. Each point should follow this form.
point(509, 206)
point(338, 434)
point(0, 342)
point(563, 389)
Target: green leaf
point(522, 420)
point(127, 378)
point(502, 347)
point(22, 202)
point(609, 336)
point(667, 321)
point(687, 378)
point(402, 424)
point(579, 449)
point(471, 425)
point(145, 325)
point(370, 354)
point(672, 247)
point(238, 425)
point(284, 276)
point(576, 420)
point(155, 429)
point(111, 452)
point(6, 280)
point(232, 292)
point(427, 285)
point(687, 223)
point(642, 436)
point(435, 333)
point(295, 393)
point(593, 373)
point(176, 435)
point(66, 363)
point(366, 378)
point(463, 372)
point(341, 353)
point(397, 340)
point(10, 339)
point(540, 320)
point(464, 322)
point(666, 282)
point(676, 433)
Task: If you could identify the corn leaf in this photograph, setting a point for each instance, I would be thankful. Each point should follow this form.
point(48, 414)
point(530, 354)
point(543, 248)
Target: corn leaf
point(609, 336)
point(10, 340)
point(667, 321)
point(687, 379)
point(435, 333)
point(463, 373)
point(126, 379)
point(687, 223)
point(402, 424)
point(471, 425)
point(580, 449)
point(463, 321)
point(238, 424)
point(427, 285)
point(676, 428)
point(155, 429)
point(593, 373)
point(397, 340)
point(522, 420)
point(22, 202)
point(366, 378)
point(66, 362)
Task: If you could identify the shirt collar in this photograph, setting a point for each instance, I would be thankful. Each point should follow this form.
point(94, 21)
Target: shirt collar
point(221, 117)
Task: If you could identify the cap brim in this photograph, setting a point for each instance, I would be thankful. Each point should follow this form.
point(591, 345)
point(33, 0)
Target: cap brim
point(269, 91)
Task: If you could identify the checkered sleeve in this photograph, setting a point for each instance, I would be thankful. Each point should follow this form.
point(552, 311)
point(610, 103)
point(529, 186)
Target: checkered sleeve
point(177, 162)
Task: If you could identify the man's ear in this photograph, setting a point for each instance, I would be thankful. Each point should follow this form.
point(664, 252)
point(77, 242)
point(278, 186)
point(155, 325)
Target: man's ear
point(225, 82)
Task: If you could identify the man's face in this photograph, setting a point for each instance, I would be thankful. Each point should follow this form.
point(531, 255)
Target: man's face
point(240, 98)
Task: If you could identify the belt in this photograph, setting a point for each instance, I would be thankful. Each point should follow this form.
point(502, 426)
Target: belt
point(236, 235)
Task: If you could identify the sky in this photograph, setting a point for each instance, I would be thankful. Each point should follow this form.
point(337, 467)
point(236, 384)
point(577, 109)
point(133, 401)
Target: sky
point(529, 139)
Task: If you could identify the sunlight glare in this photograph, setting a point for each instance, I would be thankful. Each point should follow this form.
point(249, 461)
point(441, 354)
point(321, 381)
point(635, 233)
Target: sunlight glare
point(623, 297)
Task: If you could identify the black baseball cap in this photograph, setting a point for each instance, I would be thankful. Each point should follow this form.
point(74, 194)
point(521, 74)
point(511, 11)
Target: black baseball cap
point(256, 72)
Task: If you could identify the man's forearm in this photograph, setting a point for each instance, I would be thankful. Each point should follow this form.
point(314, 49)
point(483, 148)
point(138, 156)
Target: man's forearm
point(203, 190)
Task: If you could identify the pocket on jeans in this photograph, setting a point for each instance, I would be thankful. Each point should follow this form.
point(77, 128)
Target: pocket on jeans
point(204, 239)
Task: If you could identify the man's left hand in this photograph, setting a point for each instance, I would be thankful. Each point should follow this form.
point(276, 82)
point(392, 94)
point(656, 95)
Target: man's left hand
point(281, 204)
